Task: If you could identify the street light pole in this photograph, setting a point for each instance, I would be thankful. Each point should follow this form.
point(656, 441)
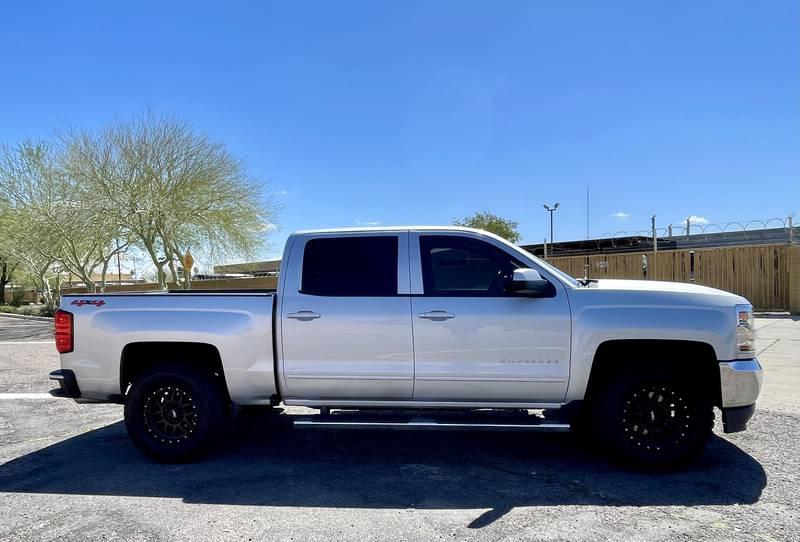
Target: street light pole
point(551, 210)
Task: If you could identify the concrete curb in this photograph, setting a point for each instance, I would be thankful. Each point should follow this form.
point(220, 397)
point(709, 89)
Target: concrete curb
point(26, 317)
point(772, 314)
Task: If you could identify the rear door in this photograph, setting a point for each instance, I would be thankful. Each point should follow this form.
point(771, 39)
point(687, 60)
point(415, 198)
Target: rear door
point(346, 318)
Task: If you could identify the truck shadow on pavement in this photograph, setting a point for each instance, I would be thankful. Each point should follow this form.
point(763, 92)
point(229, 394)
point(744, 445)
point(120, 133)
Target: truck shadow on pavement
point(268, 464)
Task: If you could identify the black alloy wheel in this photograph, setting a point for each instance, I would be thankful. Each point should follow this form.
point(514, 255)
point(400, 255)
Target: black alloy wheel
point(170, 414)
point(176, 412)
point(656, 418)
point(650, 420)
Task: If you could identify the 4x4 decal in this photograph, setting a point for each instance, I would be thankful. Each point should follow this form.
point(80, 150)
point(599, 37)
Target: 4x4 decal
point(82, 302)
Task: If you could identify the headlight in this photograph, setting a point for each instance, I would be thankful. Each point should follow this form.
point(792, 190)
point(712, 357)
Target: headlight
point(745, 332)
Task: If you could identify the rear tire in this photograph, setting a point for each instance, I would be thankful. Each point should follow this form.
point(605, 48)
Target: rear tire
point(651, 419)
point(175, 412)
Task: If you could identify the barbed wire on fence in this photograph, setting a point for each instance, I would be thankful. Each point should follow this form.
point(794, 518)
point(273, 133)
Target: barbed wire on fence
point(756, 230)
point(693, 228)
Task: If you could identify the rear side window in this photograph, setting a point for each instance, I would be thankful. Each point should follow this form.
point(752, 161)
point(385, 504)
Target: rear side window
point(350, 266)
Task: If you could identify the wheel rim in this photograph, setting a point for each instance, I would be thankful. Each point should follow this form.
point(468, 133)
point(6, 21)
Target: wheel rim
point(170, 414)
point(656, 418)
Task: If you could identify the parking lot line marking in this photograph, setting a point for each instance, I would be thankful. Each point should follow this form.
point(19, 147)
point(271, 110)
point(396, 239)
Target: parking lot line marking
point(28, 342)
point(15, 396)
point(770, 345)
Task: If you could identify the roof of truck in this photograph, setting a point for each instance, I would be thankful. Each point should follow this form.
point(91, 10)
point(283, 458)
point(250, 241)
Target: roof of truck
point(389, 228)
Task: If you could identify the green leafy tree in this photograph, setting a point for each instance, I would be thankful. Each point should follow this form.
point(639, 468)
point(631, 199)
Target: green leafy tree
point(6, 270)
point(171, 190)
point(7, 261)
point(48, 218)
point(152, 185)
point(490, 222)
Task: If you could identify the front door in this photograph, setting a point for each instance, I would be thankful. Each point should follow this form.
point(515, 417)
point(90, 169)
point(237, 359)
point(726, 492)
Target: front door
point(475, 341)
point(345, 318)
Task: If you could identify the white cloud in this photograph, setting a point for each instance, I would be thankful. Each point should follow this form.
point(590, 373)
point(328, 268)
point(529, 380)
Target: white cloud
point(360, 222)
point(698, 220)
point(619, 215)
point(281, 192)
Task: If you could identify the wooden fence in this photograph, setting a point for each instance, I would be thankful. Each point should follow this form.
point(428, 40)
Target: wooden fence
point(759, 273)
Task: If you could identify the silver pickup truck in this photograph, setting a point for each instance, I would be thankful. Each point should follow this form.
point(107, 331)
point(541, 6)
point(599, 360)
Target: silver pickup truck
point(420, 327)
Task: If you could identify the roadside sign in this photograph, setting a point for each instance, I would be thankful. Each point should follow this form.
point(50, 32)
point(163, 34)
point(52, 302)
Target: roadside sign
point(188, 261)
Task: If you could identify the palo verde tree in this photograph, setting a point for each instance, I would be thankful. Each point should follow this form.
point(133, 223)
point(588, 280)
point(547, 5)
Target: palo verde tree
point(490, 222)
point(8, 263)
point(6, 271)
point(49, 217)
point(171, 190)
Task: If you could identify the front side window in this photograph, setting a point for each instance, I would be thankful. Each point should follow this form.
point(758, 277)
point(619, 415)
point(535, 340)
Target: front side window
point(350, 266)
point(462, 266)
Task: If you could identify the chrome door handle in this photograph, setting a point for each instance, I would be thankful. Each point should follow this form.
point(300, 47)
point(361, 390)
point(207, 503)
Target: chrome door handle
point(303, 316)
point(437, 315)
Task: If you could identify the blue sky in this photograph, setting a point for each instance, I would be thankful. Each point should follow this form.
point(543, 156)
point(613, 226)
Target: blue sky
point(422, 112)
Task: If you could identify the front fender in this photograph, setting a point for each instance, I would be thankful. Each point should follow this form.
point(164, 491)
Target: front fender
point(597, 324)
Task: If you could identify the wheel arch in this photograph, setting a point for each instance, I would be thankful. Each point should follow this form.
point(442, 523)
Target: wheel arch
point(697, 359)
point(139, 356)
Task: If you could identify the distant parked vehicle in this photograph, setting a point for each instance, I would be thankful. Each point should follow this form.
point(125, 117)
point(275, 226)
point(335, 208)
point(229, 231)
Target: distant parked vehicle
point(420, 327)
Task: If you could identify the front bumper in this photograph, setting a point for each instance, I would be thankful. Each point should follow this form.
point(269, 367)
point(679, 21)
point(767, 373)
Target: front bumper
point(740, 384)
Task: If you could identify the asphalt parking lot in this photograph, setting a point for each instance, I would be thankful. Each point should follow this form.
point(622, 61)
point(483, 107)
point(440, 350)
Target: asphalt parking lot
point(68, 472)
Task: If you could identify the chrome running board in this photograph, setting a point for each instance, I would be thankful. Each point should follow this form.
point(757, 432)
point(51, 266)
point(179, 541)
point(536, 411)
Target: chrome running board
point(414, 425)
point(420, 420)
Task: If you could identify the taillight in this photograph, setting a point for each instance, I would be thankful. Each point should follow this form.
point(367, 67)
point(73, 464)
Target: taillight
point(64, 331)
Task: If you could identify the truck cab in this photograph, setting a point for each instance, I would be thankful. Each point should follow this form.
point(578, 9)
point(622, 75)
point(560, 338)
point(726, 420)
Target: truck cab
point(419, 316)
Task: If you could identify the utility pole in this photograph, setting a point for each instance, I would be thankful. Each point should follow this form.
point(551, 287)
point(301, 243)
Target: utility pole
point(545, 248)
point(655, 245)
point(551, 210)
point(688, 225)
point(587, 211)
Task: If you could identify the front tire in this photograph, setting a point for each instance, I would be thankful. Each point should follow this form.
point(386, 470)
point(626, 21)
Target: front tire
point(175, 412)
point(651, 420)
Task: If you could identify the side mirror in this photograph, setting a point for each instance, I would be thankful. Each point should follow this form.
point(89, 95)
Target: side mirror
point(530, 282)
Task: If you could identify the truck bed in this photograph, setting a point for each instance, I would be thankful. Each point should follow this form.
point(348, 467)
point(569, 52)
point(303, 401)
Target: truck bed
point(237, 325)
